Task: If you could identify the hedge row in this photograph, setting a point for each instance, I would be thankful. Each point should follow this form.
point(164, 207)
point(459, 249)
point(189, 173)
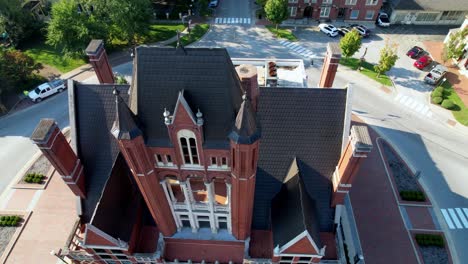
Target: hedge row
point(9, 220)
point(412, 196)
point(430, 240)
point(437, 96)
point(34, 178)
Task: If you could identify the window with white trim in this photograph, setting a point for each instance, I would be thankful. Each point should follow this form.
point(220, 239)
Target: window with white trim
point(372, 2)
point(325, 12)
point(292, 1)
point(175, 191)
point(354, 14)
point(327, 1)
point(451, 15)
point(286, 259)
point(370, 14)
point(350, 2)
point(292, 11)
point(400, 16)
point(188, 147)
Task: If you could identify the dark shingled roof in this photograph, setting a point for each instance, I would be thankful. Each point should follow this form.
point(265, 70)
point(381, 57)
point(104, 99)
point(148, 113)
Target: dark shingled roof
point(94, 113)
point(125, 126)
point(116, 212)
point(294, 212)
point(302, 123)
point(208, 79)
point(245, 129)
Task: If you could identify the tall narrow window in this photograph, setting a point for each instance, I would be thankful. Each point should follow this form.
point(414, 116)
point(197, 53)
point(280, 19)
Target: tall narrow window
point(169, 158)
point(224, 161)
point(158, 158)
point(188, 146)
point(213, 161)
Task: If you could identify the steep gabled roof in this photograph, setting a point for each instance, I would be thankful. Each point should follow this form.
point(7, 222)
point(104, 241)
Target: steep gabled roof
point(209, 81)
point(124, 126)
point(302, 123)
point(245, 130)
point(92, 112)
point(293, 211)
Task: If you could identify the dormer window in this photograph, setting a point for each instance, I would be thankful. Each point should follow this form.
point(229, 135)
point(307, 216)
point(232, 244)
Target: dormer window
point(188, 146)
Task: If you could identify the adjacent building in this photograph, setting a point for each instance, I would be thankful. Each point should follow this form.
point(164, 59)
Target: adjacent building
point(335, 10)
point(428, 12)
point(195, 163)
point(461, 62)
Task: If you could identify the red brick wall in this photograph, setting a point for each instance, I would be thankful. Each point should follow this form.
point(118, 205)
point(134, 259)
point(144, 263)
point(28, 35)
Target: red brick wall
point(303, 246)
point(198, 250)
point(360, 5)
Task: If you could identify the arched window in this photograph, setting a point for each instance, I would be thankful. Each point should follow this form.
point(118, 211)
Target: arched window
point(188, 146)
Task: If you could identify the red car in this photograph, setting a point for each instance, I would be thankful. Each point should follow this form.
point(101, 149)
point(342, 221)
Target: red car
point(414, 52)
point(422, 62)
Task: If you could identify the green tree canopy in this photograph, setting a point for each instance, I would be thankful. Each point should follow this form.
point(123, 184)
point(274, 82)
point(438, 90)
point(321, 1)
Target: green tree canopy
point(18, 23)
point(276, 11)
point(350, 43)
point(455, 46)
point(388, 58)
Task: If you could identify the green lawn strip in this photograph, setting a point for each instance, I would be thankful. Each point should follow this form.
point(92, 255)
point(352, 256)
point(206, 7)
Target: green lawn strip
point(197, 33)
point(460, 111)
point(367, 69)
point(282, 33)
point(49, 55)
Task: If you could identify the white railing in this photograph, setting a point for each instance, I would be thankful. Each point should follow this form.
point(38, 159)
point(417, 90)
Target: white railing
point(200, 206)
point(221, 208)
point(179, 206)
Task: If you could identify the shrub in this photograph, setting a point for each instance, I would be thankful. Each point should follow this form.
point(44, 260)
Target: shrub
point(447, 104)
point(2, 218)
point(33, 178)
point(439, 89)
point(436, 94)
point(430, 240)
point(417, 196)
point(437, 100)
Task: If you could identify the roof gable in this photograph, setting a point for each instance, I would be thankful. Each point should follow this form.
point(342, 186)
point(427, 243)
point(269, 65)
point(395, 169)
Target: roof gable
point(302, 244)
point(182, 111)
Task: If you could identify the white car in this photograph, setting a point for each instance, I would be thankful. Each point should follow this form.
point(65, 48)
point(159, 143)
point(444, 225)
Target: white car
point(47, 89)
point(383, 20)
point(363, 30)
point(328, 29)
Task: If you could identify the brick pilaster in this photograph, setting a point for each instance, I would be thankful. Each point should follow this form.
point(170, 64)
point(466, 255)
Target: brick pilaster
point(248, 77)
point(98, 58)
point(330, 65)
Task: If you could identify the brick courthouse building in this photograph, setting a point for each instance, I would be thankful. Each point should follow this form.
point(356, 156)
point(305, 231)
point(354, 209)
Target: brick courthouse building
point(194, 163)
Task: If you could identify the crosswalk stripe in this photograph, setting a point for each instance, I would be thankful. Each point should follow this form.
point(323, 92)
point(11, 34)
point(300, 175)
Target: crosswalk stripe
point(248, 21)
point(282, 42)
point(419, 108)
point(447, 219)
point(403, 99)
point(301, 50)
point(237, 20)
point(296, 49)
point(224, 20)
point(217, 20)
point(462, 217)
point(455, 218)
point(290, 44)
point(398, 97)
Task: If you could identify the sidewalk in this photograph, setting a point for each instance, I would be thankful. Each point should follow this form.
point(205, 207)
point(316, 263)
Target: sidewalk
point(386, 224)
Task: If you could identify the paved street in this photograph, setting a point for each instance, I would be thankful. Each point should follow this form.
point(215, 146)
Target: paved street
point(440, 152)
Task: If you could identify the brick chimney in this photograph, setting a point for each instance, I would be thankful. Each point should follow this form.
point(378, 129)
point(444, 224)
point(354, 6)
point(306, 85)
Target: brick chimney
point(98, 58)
point(248, 76)
point(53, 144)
point(330, 65)
point(359, 145)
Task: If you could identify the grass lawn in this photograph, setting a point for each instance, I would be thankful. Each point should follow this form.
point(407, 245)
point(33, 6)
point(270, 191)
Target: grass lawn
point(197, 33)
point(368, 70)
point(51, 56)
point(282, 33)
point(460, 111)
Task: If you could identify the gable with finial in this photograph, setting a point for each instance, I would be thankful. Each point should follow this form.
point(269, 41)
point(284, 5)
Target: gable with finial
point(183, 114)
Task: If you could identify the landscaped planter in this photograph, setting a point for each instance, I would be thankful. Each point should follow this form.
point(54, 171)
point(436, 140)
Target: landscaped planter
point(432, 248)
point(406, 183)
point(9, 234)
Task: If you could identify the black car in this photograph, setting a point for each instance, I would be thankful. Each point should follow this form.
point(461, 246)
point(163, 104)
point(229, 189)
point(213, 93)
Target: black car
point(344, 30)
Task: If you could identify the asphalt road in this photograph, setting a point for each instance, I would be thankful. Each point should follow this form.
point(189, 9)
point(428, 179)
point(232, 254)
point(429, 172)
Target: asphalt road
point(438, 151)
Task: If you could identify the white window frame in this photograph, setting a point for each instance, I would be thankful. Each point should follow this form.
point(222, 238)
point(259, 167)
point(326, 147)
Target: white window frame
point(187, 134)
point(426, 15)
point(322, 13)
point(292, 1)
point(368, 12)
point(351, 14)
point(292, 11)
point(327, 1)
point(351, 2)
point(372, 2)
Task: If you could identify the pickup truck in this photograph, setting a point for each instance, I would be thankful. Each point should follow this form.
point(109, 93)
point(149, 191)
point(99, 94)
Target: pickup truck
point(47, 89)
point(435, 75)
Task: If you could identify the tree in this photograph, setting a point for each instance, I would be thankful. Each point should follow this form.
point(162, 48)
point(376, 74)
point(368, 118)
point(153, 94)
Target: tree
point(350, 43)
point(17, 22)
point(71, 28)
point(388, 58)
point(17, 70)
point(129, 18)
point(276, 11)
point(455, 46)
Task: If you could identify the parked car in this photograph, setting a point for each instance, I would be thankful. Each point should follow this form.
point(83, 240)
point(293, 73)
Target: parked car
point(414, 52)
point(423, 62)
point(213, 3)
point(328, 29)
point(363, 30)
point(47, 89)
point(436, 74)
point(344, 30)
point(383, 20)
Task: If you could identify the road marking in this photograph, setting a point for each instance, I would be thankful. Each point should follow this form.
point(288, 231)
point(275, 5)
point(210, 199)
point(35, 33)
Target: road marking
point(462, 217)
point(447, 219)
point(232, 20)
point(248, 21)
point(34, 200)
point(4, 203)
point(455, 218)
